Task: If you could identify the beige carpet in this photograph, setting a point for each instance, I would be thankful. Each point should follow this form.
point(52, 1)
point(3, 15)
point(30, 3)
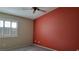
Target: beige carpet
point(31, 48)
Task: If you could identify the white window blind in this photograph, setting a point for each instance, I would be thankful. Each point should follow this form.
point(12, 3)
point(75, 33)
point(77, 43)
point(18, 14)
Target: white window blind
point(1, 23)
point(7, 24)
point(1, 28)
point(14, 25)
point(8, 28)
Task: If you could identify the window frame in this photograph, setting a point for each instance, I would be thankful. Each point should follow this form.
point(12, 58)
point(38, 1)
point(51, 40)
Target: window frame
point(10, 34)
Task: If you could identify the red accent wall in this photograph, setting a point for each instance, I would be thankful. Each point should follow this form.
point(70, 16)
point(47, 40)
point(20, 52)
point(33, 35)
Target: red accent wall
point(58, 29)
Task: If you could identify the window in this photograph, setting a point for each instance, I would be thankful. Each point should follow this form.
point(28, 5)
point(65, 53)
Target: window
point(14, 25)
point(7, 24)
point(1, 28)
point(1, 23)
point(14, 28)
point(8, 28)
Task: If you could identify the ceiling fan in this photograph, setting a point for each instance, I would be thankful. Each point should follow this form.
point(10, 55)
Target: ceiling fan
point(35, 9)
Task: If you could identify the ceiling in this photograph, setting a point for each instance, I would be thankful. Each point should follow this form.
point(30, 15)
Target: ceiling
point(26, 12)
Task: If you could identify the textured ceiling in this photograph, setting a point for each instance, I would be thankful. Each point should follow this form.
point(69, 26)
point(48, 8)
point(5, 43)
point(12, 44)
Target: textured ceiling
point(26, 11)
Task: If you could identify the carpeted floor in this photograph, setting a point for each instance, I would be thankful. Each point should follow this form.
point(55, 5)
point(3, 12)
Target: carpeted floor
point(31, 48)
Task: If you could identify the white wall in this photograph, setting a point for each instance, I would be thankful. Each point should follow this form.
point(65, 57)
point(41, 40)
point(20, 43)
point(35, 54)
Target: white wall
point(25, 33)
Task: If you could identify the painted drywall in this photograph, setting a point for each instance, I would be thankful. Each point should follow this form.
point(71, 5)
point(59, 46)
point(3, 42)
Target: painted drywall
point(25, 33)
point(58, 29)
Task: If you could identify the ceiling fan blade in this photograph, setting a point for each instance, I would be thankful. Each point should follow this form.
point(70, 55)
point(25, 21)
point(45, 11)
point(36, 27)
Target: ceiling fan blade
point(34, 11)
point(36, 8)
point(42, 10)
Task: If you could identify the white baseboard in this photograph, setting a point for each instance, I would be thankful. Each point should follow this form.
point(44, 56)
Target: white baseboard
point(45, 47)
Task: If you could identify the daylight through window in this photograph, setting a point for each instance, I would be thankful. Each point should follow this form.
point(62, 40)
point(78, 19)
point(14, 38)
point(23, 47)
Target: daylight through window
point(8, 28)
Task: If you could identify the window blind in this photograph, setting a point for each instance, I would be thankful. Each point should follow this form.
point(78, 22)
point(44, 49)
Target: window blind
point(8, 28)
